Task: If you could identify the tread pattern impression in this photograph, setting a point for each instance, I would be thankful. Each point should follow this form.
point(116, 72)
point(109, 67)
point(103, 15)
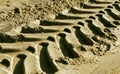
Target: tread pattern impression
point(50, 44)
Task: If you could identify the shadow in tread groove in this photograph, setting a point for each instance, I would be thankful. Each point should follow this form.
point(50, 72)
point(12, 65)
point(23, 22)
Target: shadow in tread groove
point(66, 48)
point(5, 62)
point(4, 38)
point(65, 16)
point(50, 30)
point(116, 22)
point(117, 7)
point(19, 68)
point(54, 23)
point(67, 30)
point(44, 61)
point(78, 11)
point(105, 22)
point(81, 37)
point(99, 2)
point(113, 15)
point(50, 38)
point(9, 50)
point(31, 49)
point(94, 29)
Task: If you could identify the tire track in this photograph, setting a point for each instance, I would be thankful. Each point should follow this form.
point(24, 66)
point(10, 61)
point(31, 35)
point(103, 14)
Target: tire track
point(85, 28)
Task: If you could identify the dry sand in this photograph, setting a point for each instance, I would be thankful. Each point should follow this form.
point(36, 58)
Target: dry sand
point(59, 37)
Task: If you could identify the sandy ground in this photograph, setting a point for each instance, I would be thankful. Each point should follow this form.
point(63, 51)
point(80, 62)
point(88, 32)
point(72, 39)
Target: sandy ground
point(59, 37)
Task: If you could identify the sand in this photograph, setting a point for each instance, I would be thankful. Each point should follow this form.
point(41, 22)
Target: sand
point(59, 37)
